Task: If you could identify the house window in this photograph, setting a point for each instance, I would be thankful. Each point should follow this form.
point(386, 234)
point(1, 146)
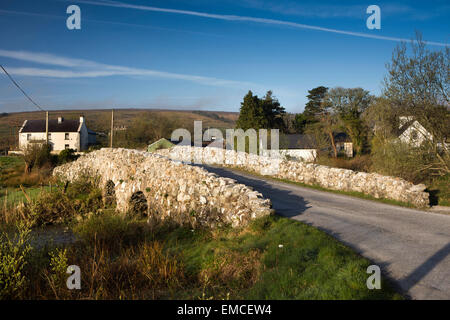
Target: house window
point(50, 137)
point(414, 135)
point(66, 146)
point(66, 136)
point(28, 136)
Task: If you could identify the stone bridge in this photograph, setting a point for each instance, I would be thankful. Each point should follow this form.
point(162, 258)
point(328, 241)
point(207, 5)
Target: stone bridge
point(165, 188)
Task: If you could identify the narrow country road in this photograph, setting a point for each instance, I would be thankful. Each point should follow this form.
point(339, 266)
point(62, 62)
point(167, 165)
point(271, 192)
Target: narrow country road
point(412, 247)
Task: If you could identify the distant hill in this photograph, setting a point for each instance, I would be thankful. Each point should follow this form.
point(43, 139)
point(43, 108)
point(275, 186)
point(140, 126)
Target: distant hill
point(100, 120)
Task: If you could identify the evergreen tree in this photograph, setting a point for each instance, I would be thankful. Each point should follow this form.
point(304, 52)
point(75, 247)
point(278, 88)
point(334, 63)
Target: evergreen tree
point(250, 115)
point(314, 105)
point(300, 122)
point(259, 113)
point(272, 112)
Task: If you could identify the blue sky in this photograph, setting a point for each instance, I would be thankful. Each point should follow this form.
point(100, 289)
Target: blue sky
point(200, 54)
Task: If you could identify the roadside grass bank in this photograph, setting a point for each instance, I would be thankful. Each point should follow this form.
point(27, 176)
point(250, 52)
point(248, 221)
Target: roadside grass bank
point(127, 258)
point(439, 191)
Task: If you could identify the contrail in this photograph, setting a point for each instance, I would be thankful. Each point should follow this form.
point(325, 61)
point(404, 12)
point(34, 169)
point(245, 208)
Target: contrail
point(250, 19)
point(80, 68)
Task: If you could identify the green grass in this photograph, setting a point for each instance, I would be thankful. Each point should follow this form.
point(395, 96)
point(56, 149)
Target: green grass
point(439, 190)
point(317, 187)
point(16, 196)
point(309, 265)
point(7, 162)
point(272, 258)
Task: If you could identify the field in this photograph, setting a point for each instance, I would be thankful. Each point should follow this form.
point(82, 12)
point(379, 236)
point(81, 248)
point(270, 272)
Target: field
point(100, 120)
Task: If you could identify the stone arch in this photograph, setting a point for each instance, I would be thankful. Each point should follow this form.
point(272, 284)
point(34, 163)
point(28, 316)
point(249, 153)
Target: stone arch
point(109, 193)
point(138, 204)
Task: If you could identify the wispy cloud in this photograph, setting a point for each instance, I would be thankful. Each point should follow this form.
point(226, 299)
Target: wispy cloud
point(308, 10)
point(249, 19)
point(343, 10)
point(80, 68)
point(145, 26)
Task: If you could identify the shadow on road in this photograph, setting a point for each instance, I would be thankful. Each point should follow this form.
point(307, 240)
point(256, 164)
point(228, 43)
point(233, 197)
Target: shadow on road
point(421, 271)
point(286, 203)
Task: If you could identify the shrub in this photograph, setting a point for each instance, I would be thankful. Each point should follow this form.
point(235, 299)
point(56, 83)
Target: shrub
point(358, 163)
point(14, 254)
point(67, 155)
point(395, 158)
point(56, 277)
point(159, 267)
point(111, 229)
point(36, 155)
point(80, 198)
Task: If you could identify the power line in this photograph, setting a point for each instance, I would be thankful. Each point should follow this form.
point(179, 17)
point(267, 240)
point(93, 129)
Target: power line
point(17, 85)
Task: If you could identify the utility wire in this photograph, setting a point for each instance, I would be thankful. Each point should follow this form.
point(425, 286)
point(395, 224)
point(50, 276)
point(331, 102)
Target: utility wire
point(17, 85)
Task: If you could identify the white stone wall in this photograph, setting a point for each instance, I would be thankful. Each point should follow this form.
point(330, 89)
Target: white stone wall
point(307, 155)
point(373, 184)
point(172, 189)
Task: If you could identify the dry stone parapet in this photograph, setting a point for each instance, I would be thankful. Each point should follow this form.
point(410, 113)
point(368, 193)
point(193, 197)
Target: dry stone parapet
point(373, 184)
point(172, 189)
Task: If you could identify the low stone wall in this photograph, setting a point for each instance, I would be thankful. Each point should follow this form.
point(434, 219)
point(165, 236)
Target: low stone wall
point(172, 189)
point(373, 184)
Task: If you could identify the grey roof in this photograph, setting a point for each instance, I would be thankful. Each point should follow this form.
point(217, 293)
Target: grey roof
point(297, 141)
point(405, 126)
point(31, 126)
point(341, 137)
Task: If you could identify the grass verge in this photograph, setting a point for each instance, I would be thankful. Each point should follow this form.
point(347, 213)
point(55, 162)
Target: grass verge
point(124, 258)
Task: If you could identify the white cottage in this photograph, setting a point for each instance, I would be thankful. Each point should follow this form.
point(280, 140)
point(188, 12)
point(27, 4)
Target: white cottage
point(412, 132)
point(62, 134)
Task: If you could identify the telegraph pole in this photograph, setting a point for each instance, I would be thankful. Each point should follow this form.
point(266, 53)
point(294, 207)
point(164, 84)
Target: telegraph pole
point(112, 127)
point(46, 127)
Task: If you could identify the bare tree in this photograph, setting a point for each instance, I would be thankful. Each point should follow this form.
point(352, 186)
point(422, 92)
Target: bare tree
point(417, 85)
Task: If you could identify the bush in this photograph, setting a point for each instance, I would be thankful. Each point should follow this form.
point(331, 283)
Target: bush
point(359, 163)
point(80, 198)
point(36, 155)
point(398, 159)
point(14, 254)
point(111, 229)
point(67, 155)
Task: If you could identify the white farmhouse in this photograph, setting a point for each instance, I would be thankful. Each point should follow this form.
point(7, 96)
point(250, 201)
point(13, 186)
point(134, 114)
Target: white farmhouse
point(62, 134)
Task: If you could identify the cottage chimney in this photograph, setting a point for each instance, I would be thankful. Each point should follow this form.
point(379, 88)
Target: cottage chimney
point(81, 119)
point(60, 120)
